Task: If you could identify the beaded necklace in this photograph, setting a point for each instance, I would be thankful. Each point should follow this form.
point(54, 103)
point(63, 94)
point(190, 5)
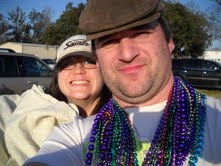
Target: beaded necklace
point(179, 134)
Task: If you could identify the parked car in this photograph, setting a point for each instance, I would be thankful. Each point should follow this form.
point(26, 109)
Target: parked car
point(6, 50)
point(199, 73)
point(50, 62)
point(18, 72)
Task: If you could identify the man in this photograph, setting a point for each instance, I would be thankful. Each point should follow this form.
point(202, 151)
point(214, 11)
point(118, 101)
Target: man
point(153, 117)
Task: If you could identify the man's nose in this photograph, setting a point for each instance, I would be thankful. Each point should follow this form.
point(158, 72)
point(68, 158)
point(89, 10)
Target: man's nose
point(128, 49)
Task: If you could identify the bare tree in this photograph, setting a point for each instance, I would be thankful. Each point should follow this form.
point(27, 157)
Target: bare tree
point(219, 2)
point(214, 16)
point(17, 22)
point(38, 22)
point(212, 13)
point(3, 28)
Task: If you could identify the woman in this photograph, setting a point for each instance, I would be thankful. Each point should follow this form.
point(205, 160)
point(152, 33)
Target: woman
point(77, 88)
point(77, 78)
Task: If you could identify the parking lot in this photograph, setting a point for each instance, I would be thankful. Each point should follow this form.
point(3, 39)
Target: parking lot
point(214, 93)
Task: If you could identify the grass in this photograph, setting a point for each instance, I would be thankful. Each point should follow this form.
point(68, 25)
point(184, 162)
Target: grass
point(214, 93)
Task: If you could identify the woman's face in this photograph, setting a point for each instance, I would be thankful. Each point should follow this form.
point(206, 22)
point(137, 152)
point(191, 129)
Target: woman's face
point(80, 79)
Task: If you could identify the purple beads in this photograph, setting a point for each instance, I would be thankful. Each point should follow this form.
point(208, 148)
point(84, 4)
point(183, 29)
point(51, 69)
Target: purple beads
point(180, 132)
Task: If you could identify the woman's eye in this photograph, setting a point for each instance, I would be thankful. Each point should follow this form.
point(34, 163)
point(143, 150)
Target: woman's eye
point(69, 67)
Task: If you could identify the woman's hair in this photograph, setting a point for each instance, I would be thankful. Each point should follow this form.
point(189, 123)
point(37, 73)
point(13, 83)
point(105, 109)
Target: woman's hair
point(54, 89)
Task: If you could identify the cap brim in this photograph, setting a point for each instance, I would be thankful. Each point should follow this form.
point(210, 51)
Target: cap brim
point(124, 27)
point(78, 53)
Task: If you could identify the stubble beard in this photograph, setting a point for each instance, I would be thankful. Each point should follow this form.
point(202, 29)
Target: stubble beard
point(136, 94)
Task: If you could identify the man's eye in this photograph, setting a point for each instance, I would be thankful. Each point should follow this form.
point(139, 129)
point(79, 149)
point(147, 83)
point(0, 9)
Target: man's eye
point(89, 62)
point(109, 42)
point(141, 35)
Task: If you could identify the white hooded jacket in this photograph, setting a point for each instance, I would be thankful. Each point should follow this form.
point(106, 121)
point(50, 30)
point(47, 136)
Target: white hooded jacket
point(27, 121)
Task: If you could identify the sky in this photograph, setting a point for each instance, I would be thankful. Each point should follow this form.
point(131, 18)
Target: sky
point(202, 4)
point(58, 6)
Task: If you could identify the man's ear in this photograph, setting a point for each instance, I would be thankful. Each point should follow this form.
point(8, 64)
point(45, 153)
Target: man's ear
point(171, 45)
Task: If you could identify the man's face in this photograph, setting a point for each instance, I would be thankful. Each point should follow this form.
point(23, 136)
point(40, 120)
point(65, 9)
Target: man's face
point(135, 63)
